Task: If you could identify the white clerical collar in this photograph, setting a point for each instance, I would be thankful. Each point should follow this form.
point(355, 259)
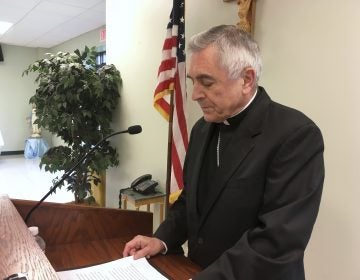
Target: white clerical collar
point(242, 109)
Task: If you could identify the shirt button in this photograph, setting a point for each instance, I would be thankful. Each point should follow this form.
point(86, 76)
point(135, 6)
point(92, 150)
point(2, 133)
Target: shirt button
point(200, 241)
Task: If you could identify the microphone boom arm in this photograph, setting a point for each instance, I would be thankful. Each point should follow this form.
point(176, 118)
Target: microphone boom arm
point(132, 130)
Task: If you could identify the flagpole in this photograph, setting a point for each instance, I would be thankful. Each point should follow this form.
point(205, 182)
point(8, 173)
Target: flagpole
point(171, 81)
point(168, 165)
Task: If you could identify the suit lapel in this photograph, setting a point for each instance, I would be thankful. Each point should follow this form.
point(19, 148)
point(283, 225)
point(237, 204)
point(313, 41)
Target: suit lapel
point(202, 141)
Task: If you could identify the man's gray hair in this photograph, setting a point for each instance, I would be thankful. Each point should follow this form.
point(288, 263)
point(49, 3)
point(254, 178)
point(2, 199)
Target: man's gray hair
point(237, 49)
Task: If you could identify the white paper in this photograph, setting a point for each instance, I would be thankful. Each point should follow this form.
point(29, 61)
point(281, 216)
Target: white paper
point(121, 269)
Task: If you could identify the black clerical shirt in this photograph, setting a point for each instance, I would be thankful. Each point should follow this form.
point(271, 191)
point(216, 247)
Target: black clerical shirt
point(219, 141)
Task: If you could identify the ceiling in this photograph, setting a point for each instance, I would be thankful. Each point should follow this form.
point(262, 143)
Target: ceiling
point(46, 23)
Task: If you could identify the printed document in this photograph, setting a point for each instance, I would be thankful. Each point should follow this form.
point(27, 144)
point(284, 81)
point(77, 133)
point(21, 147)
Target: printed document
point(121, 269)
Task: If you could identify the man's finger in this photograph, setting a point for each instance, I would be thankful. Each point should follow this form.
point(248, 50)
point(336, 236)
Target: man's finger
point(142, 253)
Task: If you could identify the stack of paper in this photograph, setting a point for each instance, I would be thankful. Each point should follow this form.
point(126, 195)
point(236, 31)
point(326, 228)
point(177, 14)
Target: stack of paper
point(122, 269)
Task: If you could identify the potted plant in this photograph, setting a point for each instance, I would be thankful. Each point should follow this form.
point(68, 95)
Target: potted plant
point(75, 101)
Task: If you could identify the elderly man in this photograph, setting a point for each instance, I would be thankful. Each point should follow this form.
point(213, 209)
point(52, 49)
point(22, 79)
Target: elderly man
point(253, 173)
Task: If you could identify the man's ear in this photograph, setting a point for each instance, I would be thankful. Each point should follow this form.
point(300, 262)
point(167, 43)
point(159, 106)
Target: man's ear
point(249, 78)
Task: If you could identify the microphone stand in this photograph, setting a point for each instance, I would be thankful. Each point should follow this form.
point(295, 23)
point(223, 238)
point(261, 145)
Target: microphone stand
point(132, 130)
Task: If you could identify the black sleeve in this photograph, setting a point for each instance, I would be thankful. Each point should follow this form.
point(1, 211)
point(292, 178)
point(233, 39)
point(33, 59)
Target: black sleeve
point(173, 231)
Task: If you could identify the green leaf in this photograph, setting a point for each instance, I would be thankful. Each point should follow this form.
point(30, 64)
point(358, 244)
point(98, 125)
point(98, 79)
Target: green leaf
point(73, 101)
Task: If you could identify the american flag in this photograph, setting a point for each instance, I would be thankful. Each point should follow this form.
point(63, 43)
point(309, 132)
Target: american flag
point(171, 80)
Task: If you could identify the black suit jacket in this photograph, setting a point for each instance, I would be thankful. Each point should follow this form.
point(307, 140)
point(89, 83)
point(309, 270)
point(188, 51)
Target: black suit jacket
point(257, 223)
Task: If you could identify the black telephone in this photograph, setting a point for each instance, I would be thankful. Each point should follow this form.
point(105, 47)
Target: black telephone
point(144, 184)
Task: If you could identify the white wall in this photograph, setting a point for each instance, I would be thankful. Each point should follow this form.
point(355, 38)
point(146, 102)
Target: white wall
point(311, 53)
point(90, 39)
point(15, 92)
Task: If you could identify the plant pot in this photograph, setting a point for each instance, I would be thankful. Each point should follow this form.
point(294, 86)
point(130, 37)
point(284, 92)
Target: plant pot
point(99, 191)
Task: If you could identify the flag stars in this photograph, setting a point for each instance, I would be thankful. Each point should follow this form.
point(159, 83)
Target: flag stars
point(182, 19)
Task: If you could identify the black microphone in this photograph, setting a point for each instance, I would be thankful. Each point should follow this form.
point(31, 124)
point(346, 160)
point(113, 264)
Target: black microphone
point(135, 129)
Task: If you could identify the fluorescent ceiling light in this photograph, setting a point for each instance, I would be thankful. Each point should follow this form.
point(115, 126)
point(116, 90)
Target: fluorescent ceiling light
point(4, 26)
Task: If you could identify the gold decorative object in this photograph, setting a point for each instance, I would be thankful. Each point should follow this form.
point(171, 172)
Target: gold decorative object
point(246, 14)
point(244, 8)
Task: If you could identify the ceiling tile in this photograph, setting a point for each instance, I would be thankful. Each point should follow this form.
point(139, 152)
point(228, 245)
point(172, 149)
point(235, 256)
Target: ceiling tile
point(44, 23)
point(78, 3)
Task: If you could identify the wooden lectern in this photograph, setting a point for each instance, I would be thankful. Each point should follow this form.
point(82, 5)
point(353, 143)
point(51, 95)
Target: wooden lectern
point(76, 236)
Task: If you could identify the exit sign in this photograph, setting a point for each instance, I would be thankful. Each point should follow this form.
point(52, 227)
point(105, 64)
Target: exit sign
point(102, 35)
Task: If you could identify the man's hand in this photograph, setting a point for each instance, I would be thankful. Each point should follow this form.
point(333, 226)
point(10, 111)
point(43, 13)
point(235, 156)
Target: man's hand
point(143, 246)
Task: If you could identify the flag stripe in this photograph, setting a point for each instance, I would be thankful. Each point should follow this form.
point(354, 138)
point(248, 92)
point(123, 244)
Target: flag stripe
point(167, 65)
point(180, 101)
point(164, 86)
point(171, 80)
point(177, 170)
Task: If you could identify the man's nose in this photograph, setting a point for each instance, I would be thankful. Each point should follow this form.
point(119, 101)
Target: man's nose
point(197, 92)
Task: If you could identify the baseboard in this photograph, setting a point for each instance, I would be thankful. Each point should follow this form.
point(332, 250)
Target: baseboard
point(11, 153)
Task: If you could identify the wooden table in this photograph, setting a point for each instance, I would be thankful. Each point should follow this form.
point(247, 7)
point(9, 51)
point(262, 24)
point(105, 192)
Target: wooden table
point(138, 200)
point(76, 236)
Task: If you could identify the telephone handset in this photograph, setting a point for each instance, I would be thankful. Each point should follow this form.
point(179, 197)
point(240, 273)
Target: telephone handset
point(144, 184)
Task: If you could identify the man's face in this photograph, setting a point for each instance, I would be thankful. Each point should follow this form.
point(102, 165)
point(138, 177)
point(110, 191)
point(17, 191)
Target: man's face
point(218, 96)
